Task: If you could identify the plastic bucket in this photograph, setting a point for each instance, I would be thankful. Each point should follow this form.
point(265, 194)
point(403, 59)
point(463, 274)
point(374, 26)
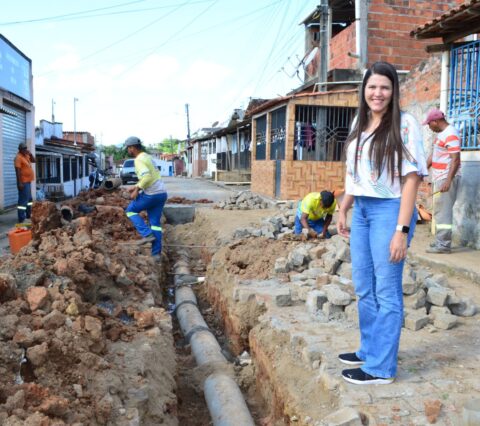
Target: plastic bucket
point(19, 238)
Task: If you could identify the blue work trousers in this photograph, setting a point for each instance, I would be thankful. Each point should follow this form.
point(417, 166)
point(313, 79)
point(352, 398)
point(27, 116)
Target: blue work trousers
point(153, 205)
point(316, 225)
point(378, 282)
point(24, 206)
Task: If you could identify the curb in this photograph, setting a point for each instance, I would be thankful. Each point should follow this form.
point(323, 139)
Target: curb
point(463, 272)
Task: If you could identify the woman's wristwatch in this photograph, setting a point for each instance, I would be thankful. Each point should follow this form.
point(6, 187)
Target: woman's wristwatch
point(402, 228)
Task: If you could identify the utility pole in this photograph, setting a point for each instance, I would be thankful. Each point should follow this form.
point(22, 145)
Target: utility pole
point(188, 123)
point(321, 151)
point(53, 111)
point(323, 45)
point(75, 100)
point(171, 151)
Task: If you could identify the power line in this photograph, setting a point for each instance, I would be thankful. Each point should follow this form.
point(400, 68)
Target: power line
point(120, 12)
point(50, 18)
point(135, 32)
point(169, 39)
point(273, 47)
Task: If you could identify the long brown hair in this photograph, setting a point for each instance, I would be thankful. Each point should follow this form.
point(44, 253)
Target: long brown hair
point(386, 141)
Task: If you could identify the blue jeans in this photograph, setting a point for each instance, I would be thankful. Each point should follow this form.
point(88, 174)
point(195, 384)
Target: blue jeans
point(153, 204)
point(378, 282)
point(316, 225)
point(24, 206)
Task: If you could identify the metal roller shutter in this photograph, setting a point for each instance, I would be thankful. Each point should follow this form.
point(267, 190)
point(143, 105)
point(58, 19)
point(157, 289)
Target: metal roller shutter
point(14, 132)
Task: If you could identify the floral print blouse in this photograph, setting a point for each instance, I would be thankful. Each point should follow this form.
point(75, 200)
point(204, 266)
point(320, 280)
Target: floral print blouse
point(365, 181)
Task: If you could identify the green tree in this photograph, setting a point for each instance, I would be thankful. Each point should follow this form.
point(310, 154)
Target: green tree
point(168, 146)
point(118, 153)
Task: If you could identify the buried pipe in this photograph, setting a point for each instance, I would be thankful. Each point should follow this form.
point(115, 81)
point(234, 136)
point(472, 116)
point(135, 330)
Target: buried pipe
point(225, 401)
point(111, 183)
point(67, 213)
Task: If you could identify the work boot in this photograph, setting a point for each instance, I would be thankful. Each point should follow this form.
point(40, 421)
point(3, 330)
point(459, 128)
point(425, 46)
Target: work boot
point(438, 250)
point(142, 241)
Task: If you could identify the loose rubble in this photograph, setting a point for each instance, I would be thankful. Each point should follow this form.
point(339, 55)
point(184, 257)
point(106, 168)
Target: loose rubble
point(288, 301)
point(80, 325)
point(245, 200)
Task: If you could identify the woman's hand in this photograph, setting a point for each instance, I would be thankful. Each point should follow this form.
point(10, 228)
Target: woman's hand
point(342, 224)
point(398, 247)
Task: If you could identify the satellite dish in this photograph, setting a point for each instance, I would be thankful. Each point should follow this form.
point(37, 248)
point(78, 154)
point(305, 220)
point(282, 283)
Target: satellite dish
point(215, 124)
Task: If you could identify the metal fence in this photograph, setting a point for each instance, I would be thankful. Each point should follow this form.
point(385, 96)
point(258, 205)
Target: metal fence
point(321, 132)
point(464, 98)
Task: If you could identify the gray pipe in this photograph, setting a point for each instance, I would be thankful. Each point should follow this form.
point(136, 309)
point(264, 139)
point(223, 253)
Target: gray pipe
point(111, 183)
point(220, 391)
point(225, 401)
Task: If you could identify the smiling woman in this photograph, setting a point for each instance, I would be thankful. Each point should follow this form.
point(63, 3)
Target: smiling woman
point(385, 164)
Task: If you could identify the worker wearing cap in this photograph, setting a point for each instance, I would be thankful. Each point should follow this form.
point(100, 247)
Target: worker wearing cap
point(314, 213)
point(25, 177)
point(445, 164)
point(148, 194)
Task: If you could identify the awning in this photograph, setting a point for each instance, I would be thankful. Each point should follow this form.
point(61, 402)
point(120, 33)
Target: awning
point(57, 150)
point(459, 22)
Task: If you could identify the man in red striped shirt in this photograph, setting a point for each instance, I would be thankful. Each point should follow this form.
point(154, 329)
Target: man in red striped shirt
point(445, 164)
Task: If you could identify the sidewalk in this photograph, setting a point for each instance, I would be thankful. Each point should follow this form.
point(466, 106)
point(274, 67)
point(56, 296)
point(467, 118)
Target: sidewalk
point(463, 261)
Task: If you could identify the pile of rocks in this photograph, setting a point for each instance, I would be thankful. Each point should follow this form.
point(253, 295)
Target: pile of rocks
point(276, 227)
point(245, 200)
point(76, 308)
point(321, 276)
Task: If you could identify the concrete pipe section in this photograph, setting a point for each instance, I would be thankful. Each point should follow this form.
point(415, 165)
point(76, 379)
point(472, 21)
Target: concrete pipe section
point(111, 183)
point(225, 401)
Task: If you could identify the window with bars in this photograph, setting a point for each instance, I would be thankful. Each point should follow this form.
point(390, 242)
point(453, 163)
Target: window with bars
point(321, 132)
point(48, 169)
point(261, 137)
point(464, 99)
point(278, 133)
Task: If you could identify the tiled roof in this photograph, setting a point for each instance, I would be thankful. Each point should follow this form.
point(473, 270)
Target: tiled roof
point(456, 23)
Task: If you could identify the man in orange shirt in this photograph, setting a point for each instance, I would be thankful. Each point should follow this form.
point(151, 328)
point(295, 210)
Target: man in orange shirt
point(445, 164)
point(25, 177)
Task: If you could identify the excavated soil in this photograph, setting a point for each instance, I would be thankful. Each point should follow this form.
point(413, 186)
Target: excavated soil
point(82, 341)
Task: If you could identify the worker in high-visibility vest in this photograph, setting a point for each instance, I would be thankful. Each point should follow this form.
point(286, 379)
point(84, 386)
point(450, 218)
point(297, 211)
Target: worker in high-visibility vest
point(148, 194)
point(314, 213)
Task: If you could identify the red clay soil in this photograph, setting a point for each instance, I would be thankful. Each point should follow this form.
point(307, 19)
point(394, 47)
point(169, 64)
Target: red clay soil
point(183, 200)
point(63, 300)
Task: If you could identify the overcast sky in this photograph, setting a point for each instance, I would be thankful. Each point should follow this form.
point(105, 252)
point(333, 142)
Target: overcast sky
point(133, 65)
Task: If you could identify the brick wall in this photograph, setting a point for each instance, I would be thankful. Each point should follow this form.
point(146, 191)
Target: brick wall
point(389, 26)
point(340, 45)
point(263, 177)
point(301, 177)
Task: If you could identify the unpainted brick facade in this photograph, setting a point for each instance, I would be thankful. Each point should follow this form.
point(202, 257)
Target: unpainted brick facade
point(299, 177)
point(390, 23)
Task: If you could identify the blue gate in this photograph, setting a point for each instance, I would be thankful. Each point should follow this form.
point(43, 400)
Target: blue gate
point(464, 99)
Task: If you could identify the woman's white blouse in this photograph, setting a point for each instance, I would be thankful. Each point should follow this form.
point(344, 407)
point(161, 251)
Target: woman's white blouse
point(366, 182)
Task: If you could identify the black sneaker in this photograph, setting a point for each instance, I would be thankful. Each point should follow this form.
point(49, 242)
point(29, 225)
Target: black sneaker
point(350, 358)
point(358, 377)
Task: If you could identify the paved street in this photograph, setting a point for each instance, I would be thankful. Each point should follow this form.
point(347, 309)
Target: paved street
point(195, 189)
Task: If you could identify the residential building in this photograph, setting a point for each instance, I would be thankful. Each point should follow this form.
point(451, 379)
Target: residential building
point(451, 80)
point(62, 168)
point(298, 140)
point(16, 116)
